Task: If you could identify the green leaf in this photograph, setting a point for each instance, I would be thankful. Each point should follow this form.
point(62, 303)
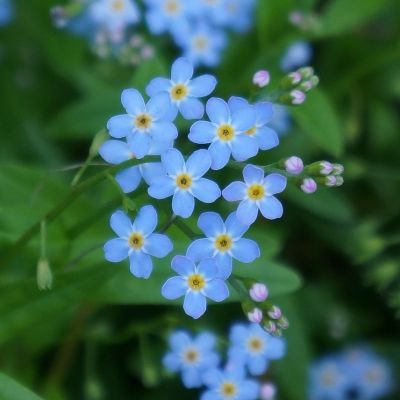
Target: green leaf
point(12, 390)
point(319, 120)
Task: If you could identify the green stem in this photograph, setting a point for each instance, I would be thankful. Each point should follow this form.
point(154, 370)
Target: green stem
point(43, 238)
point(185, 229)
point(168, 223)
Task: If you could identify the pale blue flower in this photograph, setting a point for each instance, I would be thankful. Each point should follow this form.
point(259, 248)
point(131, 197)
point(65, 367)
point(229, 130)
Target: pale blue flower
point(192, 356)
point(239, 14)
point(184, 181)
point(224, 241)
point(196, 283)
point(255, 194)
point(137, 241)
point(297, 55)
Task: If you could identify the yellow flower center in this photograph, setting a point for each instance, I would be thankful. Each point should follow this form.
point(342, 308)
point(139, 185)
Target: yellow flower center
point(255, 344)
point(200, 43)
point(251, 131)
point(136, 241)
point(179, 92)
point(228, 389)
point(226, 132)
point(223, 243)
point(172, 7)
point(118, 5)
point(196, 282)
point(256, 192)
point(184, 181)
point(143, 121)
point(191, 356)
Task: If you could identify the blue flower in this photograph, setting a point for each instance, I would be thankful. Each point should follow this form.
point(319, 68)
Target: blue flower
point(224, 241)
point(239, 14)
point(226, 132)
point(191, 356)
point(281, 120)
point(184, 91)
point(145, 124)
point(196, 283)
point(137, 241)
point(6, 12)
point(256, 193)
point(265, 136)
point(184, 181)
point(297, 55)
point(254, 347)
point(229, 384)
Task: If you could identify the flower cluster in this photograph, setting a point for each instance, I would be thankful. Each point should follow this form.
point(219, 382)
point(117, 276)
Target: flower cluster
point(248, 356)
point(198, 27)
point(355, 373)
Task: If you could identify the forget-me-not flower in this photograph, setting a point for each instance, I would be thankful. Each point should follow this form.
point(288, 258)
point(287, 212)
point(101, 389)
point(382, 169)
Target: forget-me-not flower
point(254, 347)
point(184, 181)
point(137, 241)
point(240, 14)
point(184, 91)
point(191, 356)
point(144, 124)
point(256, 193)
point(224, 241)
point(196, 283)
point(227, 132)
point(297, 55)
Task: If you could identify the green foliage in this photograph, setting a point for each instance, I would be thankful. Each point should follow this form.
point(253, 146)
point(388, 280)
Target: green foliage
point(12, 390)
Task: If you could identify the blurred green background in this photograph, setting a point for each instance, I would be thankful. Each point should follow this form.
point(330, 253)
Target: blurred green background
point(100, 333)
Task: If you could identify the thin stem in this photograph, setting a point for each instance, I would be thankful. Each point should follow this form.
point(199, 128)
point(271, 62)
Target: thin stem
point(168, 223)
point(185, 229)
point(43, 238)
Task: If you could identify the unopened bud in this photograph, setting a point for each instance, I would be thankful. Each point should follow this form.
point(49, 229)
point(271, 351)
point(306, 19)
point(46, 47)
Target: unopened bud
point(306, 72)
point(339, 180)
point(298, 97)
point(270, 327)
point(338, 169)
point(309, 186)
point(44, 277)
point(268, 391)
point(330, 181)
point(294, 165)
point(261, 78)
point(326, 167)
point(258, 292)
point(296, 17)
point(295, 78)
point(275, 313)
point(255, 315)
point(283, 323)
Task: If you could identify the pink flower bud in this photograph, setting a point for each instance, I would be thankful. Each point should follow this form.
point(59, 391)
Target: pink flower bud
point(275, 313)
point(298, 97)
point(330, 181)
point(309, 186)
point(261, 78)
point(294, 165)
point(270, 327)
point(283, 323)
point(295, 77)
point(326, 167)
point(258, 292)
point(296, 17)
point(268, 391)
point(338, 169)
point(255, 315)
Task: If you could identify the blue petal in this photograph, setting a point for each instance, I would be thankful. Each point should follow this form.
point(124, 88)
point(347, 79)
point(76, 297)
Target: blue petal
point(141, 265)
point(191, 378)
point(237, 103)
point(140, 144)
point(206, 341)
point(164, 131)
point(224, 263)
point(267, 138)
point(158, 245)
point(115, 151)
point(191, 108)
point(271, 208)
point(174, 288)
point(206, 191)
point(202, 132)
point(116, 250)
point(238, 334)
point(235, 191)
point(160, 146)
point(161, 187)
point(250, 389)
point(121, 224)
point(182, 70)
point(200, 249)
point(244, 147)
point(220, 153)
point(276, 348)
point(120, 126)
point(208, 268)
point(173, 161)
point(247, 212)
point(155, 24)
point(158, 85)
point(158, 105)
point(151, 171)
point(257, 365)
point(245, 250)
point(211, 224)
point(172, 362)
point(234, 227)
point(183, 204)
point(216, 290)
point(244, 119)
point(179, 340)
point(198, 163)
point(275, 183)
point(210, 395)
point(183, 265)
point(217, 110)
point(129, 179)
point(133, 101)
point(252, 174)
point(195, 304)
point(146, 220)
point(202, 86)
point(264, 112)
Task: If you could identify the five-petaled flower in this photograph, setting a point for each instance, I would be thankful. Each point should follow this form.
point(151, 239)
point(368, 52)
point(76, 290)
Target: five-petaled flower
point(196, 283)
point(184, 181)
point(224, 241)
point(256, 193)
point(137, 241)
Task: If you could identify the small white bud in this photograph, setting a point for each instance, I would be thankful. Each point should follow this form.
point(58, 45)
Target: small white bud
point(294, 165)
point(298, 97)
point(268, 391)
point(309, 186)
point(255, 315)
point(44, 277)
point(261, 78)
point(258, 292)
point(326, 167)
